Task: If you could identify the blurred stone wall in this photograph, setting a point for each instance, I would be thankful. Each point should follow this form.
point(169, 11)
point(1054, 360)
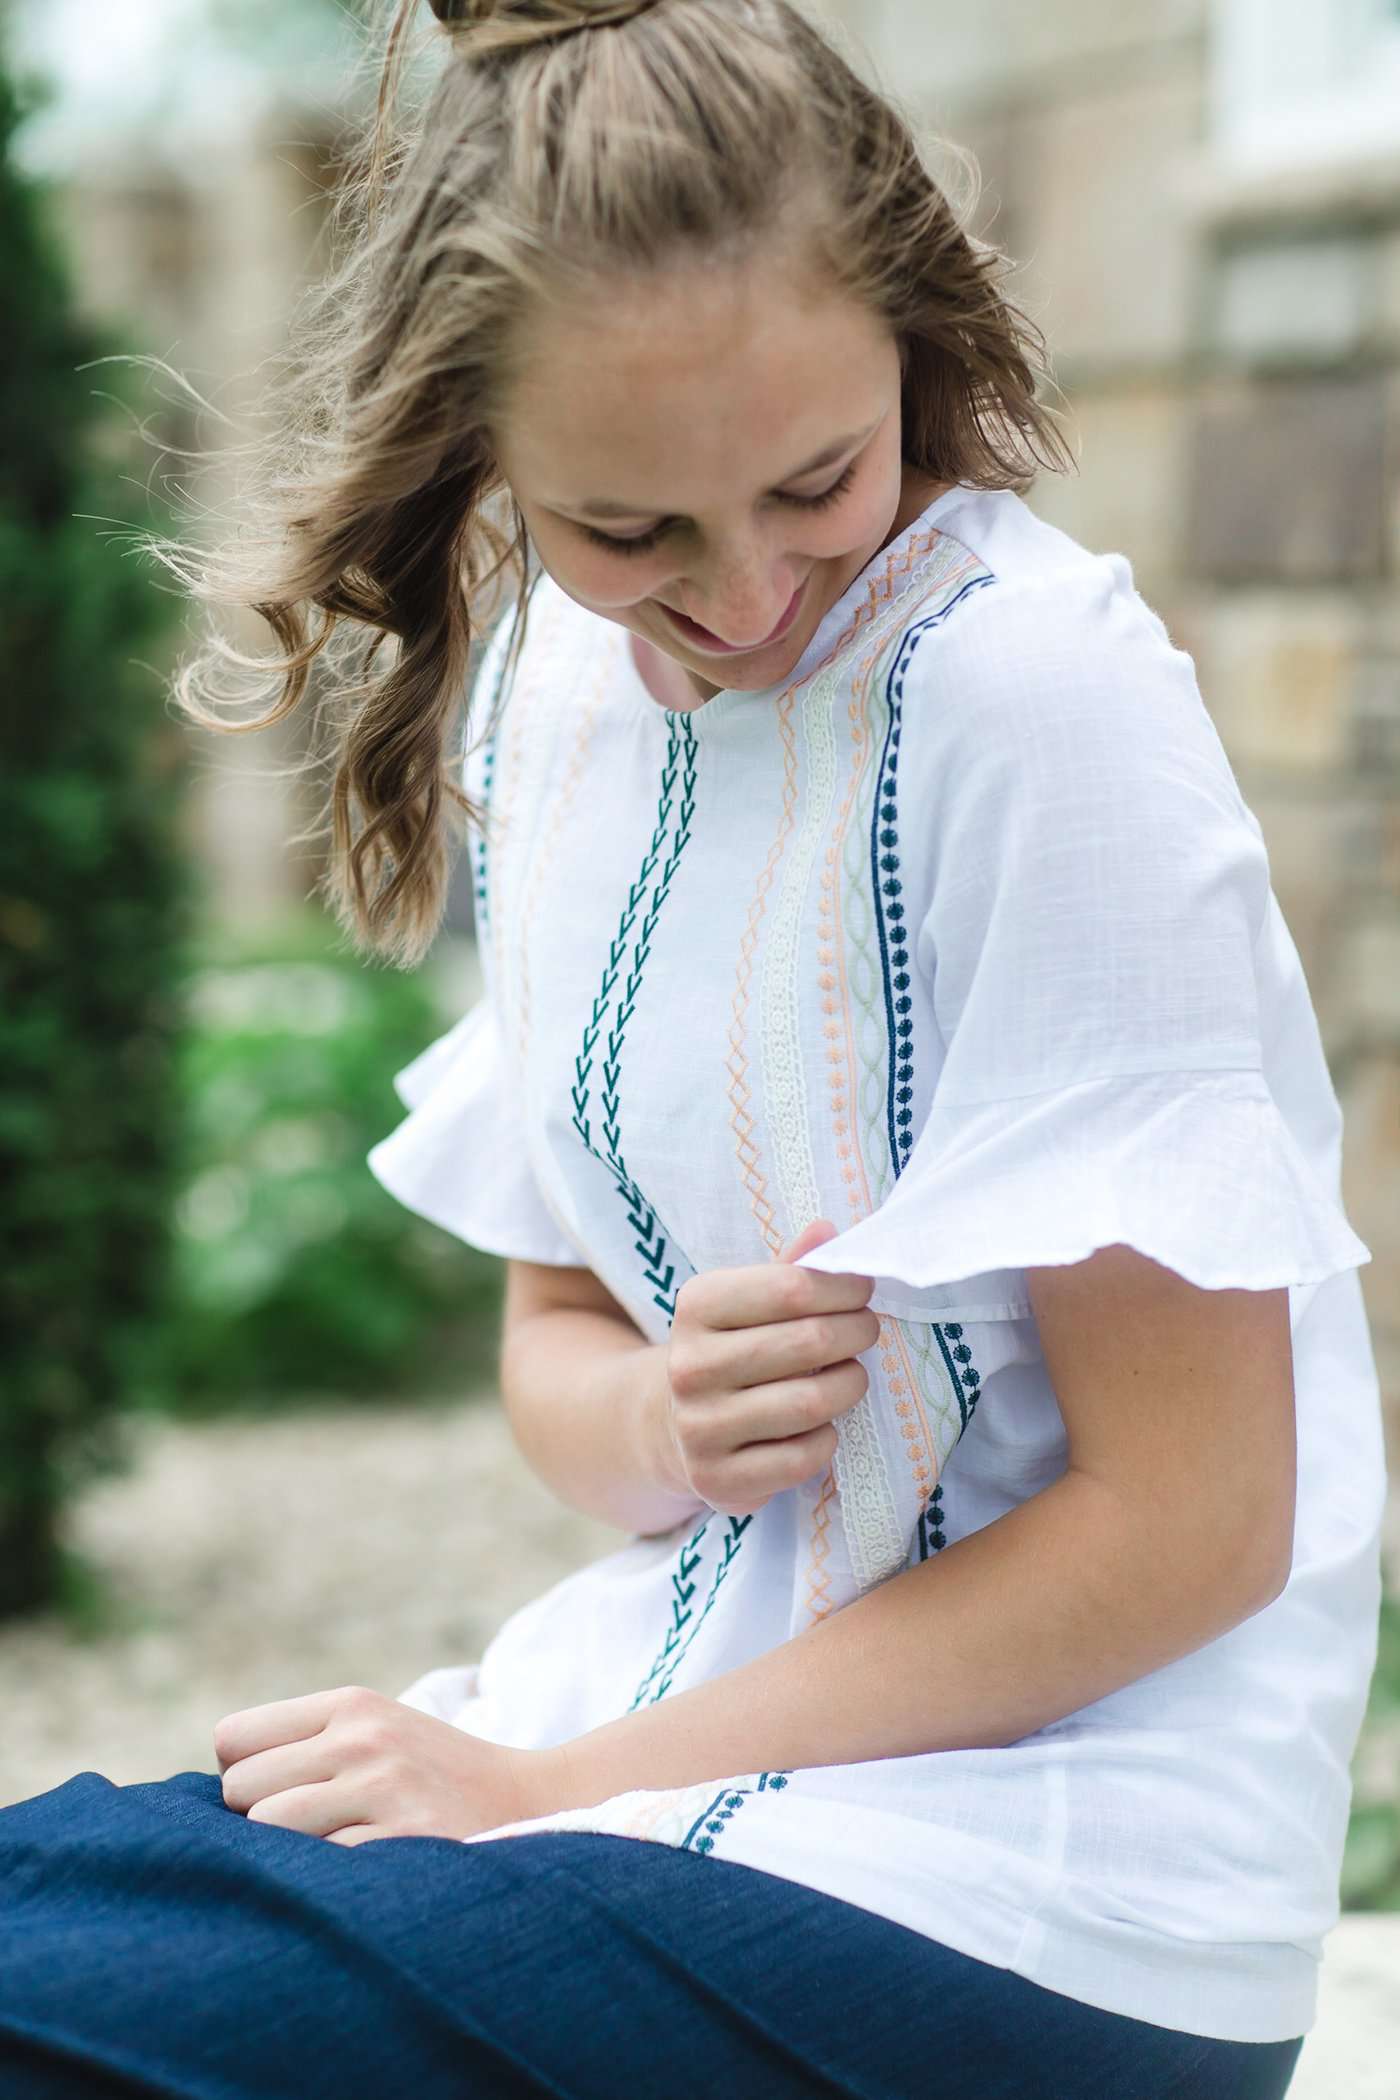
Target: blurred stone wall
point(1228, 336)
point(201, 268)
point(1228, 349)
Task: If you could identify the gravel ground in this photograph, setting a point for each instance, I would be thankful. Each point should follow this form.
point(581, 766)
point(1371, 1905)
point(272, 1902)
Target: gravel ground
point(253, 1561)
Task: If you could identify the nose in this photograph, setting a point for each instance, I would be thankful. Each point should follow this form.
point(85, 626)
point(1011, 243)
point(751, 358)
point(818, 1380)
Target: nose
point(742, 615)
point(741, 593)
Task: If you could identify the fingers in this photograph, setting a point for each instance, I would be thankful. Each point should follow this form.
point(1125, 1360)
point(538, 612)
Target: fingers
point(746, 1357)
point(814, 1235)
point(745, 1479)
point(279, 1721)
point(314, 1810)
point(268, 1772)
point(716, 1432)
point(763, 1292)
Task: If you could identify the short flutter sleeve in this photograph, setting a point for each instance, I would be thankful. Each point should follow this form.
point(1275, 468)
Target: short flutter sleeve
point(1095, 916)
point(460, 1156)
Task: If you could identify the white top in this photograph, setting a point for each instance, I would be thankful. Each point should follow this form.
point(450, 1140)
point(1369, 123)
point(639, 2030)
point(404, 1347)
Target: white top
point(963, 938)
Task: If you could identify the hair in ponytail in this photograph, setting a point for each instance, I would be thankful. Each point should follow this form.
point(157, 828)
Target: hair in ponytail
point(563, 142)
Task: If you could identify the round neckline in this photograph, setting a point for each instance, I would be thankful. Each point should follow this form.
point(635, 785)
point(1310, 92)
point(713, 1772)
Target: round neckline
point(828, 628)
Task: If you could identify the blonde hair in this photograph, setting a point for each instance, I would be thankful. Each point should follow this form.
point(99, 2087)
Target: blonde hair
point(563, 142)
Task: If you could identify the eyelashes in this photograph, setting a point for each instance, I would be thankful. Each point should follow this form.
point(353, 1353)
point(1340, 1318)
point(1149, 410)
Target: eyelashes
point(652, 538)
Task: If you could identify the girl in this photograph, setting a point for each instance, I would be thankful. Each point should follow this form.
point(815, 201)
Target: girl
point(898, 1101)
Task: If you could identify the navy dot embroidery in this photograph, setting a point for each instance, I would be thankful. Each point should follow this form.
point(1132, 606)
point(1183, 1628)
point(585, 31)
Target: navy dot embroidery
point(711, 1824)
point(890, 919)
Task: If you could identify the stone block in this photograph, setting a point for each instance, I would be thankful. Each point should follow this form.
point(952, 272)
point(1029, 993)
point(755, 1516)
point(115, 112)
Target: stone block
point(1306, 834)
point(1109, 255)
point(1287, 479)
point(1128, 495)
point(1377, 723)
point(1285, 299)
point(1277, 672)
point(1387, 308)
point(1368, 1088)
point(1370, 980)
point(991, 135)
point(1001, 46)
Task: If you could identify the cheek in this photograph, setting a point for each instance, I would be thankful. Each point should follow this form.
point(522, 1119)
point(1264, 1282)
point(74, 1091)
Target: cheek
point(851, 523)
point(603, 582)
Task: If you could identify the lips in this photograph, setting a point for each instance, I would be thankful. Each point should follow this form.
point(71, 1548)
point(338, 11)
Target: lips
point(701, 638)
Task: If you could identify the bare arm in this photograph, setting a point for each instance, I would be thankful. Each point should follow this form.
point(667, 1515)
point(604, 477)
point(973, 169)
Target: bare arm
point(1173, 1523)
point(583, 1391)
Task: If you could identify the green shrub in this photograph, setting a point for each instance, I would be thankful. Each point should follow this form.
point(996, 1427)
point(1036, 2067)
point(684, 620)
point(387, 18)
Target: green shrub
point(296, 1273)
point(92, 899)
point(1371, 1868)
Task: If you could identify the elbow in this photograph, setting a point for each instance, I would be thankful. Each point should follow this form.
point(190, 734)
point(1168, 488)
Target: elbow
point(1268, 1575)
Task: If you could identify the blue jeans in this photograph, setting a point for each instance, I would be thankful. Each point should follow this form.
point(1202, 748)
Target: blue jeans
point(153, 1941)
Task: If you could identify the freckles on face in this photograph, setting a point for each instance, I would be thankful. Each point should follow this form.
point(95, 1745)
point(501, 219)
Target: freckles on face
point(694, 404)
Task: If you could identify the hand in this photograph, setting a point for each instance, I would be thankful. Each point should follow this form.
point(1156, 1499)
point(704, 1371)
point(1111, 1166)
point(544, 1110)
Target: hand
point(758, 1361)
point(353, 1764)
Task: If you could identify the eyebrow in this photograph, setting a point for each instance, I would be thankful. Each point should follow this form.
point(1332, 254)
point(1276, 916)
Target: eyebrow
point(824, 458)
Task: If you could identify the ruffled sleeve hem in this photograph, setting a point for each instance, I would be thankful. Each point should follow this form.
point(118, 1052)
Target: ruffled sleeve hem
point(1198, 1170)
point(458, 1158)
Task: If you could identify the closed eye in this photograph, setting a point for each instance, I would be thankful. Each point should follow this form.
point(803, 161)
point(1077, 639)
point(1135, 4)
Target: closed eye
point(657, 533)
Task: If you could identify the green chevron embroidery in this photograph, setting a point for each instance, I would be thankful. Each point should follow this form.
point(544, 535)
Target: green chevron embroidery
point(712, 1823)
point(683, 1587)
point(676, 1647)
point(650, 1241)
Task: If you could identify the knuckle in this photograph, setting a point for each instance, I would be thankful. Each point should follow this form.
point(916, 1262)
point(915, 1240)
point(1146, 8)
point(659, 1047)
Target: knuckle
point(813, 1403)
point(742, 1503)
point(828, 1338)
point(703, 1480)
point(360, 1715)
point(692, 1299)
point(799, 1288)
point(685, 1297)
point(812, 1454)
point(683, 1369)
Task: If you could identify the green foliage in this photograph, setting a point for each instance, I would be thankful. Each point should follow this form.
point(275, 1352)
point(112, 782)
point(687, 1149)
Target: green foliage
point(91, 905)
point(1371, 1867)
point(295, 1272)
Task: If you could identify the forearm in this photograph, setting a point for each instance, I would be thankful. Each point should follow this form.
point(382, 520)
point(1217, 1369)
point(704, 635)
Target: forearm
point(1059, 1602)
point(583, 1394)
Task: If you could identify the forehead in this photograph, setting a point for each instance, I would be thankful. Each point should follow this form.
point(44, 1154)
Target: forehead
point(655, 387)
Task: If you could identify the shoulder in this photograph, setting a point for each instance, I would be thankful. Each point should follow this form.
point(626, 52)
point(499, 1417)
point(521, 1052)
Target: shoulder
point(1060, 677)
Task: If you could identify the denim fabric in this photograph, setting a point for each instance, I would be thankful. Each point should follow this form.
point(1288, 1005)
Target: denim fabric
point(153, 1941)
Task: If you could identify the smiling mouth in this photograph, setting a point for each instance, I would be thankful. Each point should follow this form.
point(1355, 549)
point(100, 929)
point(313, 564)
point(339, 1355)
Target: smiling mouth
point(701, 638)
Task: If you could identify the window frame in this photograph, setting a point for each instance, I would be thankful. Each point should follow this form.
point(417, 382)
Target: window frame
point(1320, 87)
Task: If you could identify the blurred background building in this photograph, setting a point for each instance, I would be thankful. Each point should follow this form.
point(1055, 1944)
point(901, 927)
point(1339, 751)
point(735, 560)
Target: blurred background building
point(1203, 200)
